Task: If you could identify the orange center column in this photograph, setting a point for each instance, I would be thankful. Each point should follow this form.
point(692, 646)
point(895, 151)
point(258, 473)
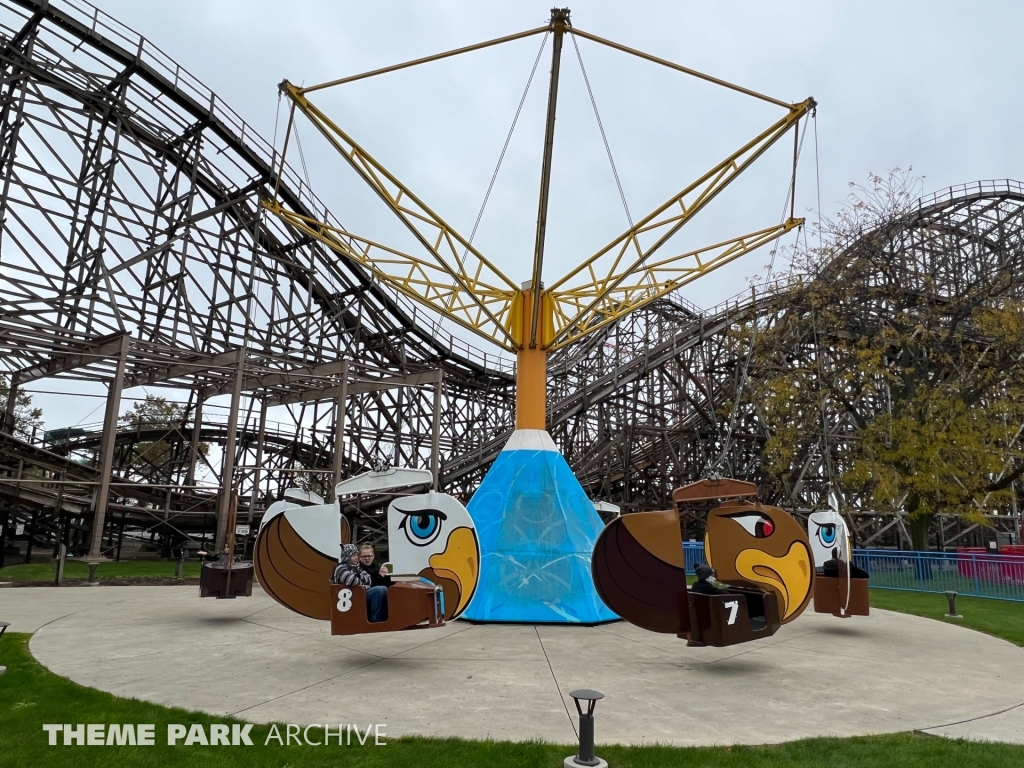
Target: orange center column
point(532, 364)
point(531, 388)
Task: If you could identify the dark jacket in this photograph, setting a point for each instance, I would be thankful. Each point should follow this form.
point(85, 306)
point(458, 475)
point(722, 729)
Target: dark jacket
point(373, 571)
point(707, 588)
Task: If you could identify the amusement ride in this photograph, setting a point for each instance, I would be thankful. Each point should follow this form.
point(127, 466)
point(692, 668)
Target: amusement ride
point(535, 529)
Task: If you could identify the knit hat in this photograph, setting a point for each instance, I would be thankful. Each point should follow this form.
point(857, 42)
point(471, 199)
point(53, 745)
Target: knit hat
point(347, 550)
point(703, 572)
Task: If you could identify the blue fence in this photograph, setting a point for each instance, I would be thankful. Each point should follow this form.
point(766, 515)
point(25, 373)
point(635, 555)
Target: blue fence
point(693, 554)
point(1000, 577)
point(996, 576)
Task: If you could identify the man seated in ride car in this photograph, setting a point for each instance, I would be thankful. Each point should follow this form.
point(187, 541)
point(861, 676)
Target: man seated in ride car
point(350, 574)
point(379, 576)
point(831, 568)
point(705, 584)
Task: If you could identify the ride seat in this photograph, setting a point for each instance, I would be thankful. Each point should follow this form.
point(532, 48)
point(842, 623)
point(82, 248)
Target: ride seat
point(214, 581)
point(830, 595)
point(742, 615)
point(411, 605)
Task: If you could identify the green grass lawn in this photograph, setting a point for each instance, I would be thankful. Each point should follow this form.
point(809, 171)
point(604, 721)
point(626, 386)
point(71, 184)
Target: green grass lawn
point(76, 570)
point(30, 696)
point(1000, 618)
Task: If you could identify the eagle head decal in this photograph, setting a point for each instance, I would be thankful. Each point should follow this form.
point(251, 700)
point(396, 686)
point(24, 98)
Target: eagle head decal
point(828, 533)
point(755, 544)
point(432, 535)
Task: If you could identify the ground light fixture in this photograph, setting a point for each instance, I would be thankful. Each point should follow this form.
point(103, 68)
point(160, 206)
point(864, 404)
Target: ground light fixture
point(585, 756)
point(93, 564)
point(179, 572)
point(5, 624)
point(951, 596)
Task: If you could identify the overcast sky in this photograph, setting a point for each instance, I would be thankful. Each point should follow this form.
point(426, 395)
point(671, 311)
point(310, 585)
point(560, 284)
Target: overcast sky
point(933, 85)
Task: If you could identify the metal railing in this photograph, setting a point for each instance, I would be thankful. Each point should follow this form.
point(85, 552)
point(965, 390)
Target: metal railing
point(693, 555)
point(976, 575)
point(999, 577)
point(981, 187)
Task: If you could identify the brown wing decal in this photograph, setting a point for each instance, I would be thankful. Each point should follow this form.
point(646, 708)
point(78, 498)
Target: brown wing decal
point(291, 571)
point(636, 582)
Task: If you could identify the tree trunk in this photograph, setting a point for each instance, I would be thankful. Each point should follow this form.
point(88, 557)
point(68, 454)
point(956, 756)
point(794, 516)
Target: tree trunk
point(919, 538)
point(919, 526)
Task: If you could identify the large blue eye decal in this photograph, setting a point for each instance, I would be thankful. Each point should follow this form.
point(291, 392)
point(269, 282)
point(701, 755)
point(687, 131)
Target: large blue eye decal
point(826, 534)
point(421, 527)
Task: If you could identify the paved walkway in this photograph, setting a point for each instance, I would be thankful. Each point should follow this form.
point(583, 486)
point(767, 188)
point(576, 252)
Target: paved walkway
point(819, 676)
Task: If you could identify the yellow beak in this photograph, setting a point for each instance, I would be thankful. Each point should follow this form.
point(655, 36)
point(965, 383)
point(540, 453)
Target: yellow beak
point(459, 562)
point(789, 575)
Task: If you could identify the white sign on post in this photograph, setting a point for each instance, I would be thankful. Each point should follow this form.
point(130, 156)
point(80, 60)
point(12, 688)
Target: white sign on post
point(19, 529)
point(241, 530)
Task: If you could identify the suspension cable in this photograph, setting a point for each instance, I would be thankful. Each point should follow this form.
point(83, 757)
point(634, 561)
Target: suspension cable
point(284, 149)
point(604, 137)
point(302, 158)
point(727, 443)
point(504, 149)
point(817, 171)
point(277, 120)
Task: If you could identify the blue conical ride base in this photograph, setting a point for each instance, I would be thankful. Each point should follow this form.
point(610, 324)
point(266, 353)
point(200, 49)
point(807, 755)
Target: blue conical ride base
point(537, 530)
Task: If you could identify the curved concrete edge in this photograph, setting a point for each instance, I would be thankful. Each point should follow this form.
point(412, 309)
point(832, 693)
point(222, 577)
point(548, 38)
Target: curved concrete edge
point(111, 642)
point(1006, 726)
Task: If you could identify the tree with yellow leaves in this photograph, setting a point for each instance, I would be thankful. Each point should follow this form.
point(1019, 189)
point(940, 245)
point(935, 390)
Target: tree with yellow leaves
point(899, 362)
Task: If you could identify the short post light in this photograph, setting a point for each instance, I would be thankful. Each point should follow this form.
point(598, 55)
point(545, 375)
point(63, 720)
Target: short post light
point(586, 751)
point(951, 596)
point(179, 572)
point(3, 628)
point(62, 554)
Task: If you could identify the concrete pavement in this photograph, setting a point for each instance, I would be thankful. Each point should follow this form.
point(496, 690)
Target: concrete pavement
point(1007, 725)
point(253, 659)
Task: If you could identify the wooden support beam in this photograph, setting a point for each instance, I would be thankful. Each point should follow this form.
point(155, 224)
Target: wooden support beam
point(228, 463)
point(355, 388)
point(435, 430)
point(193, 449)
point(102, 348)
point(107, 449)
point(339, 428)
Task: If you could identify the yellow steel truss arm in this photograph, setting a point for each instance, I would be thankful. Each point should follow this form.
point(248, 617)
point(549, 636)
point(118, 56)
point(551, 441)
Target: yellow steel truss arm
point(576, 313)
point(593, 283)
point(455, 280)
point(482, 309)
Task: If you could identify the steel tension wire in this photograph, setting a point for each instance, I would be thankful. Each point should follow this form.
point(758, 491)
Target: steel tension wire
point(504, 149)
point(790, 194)
point(604, 137)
